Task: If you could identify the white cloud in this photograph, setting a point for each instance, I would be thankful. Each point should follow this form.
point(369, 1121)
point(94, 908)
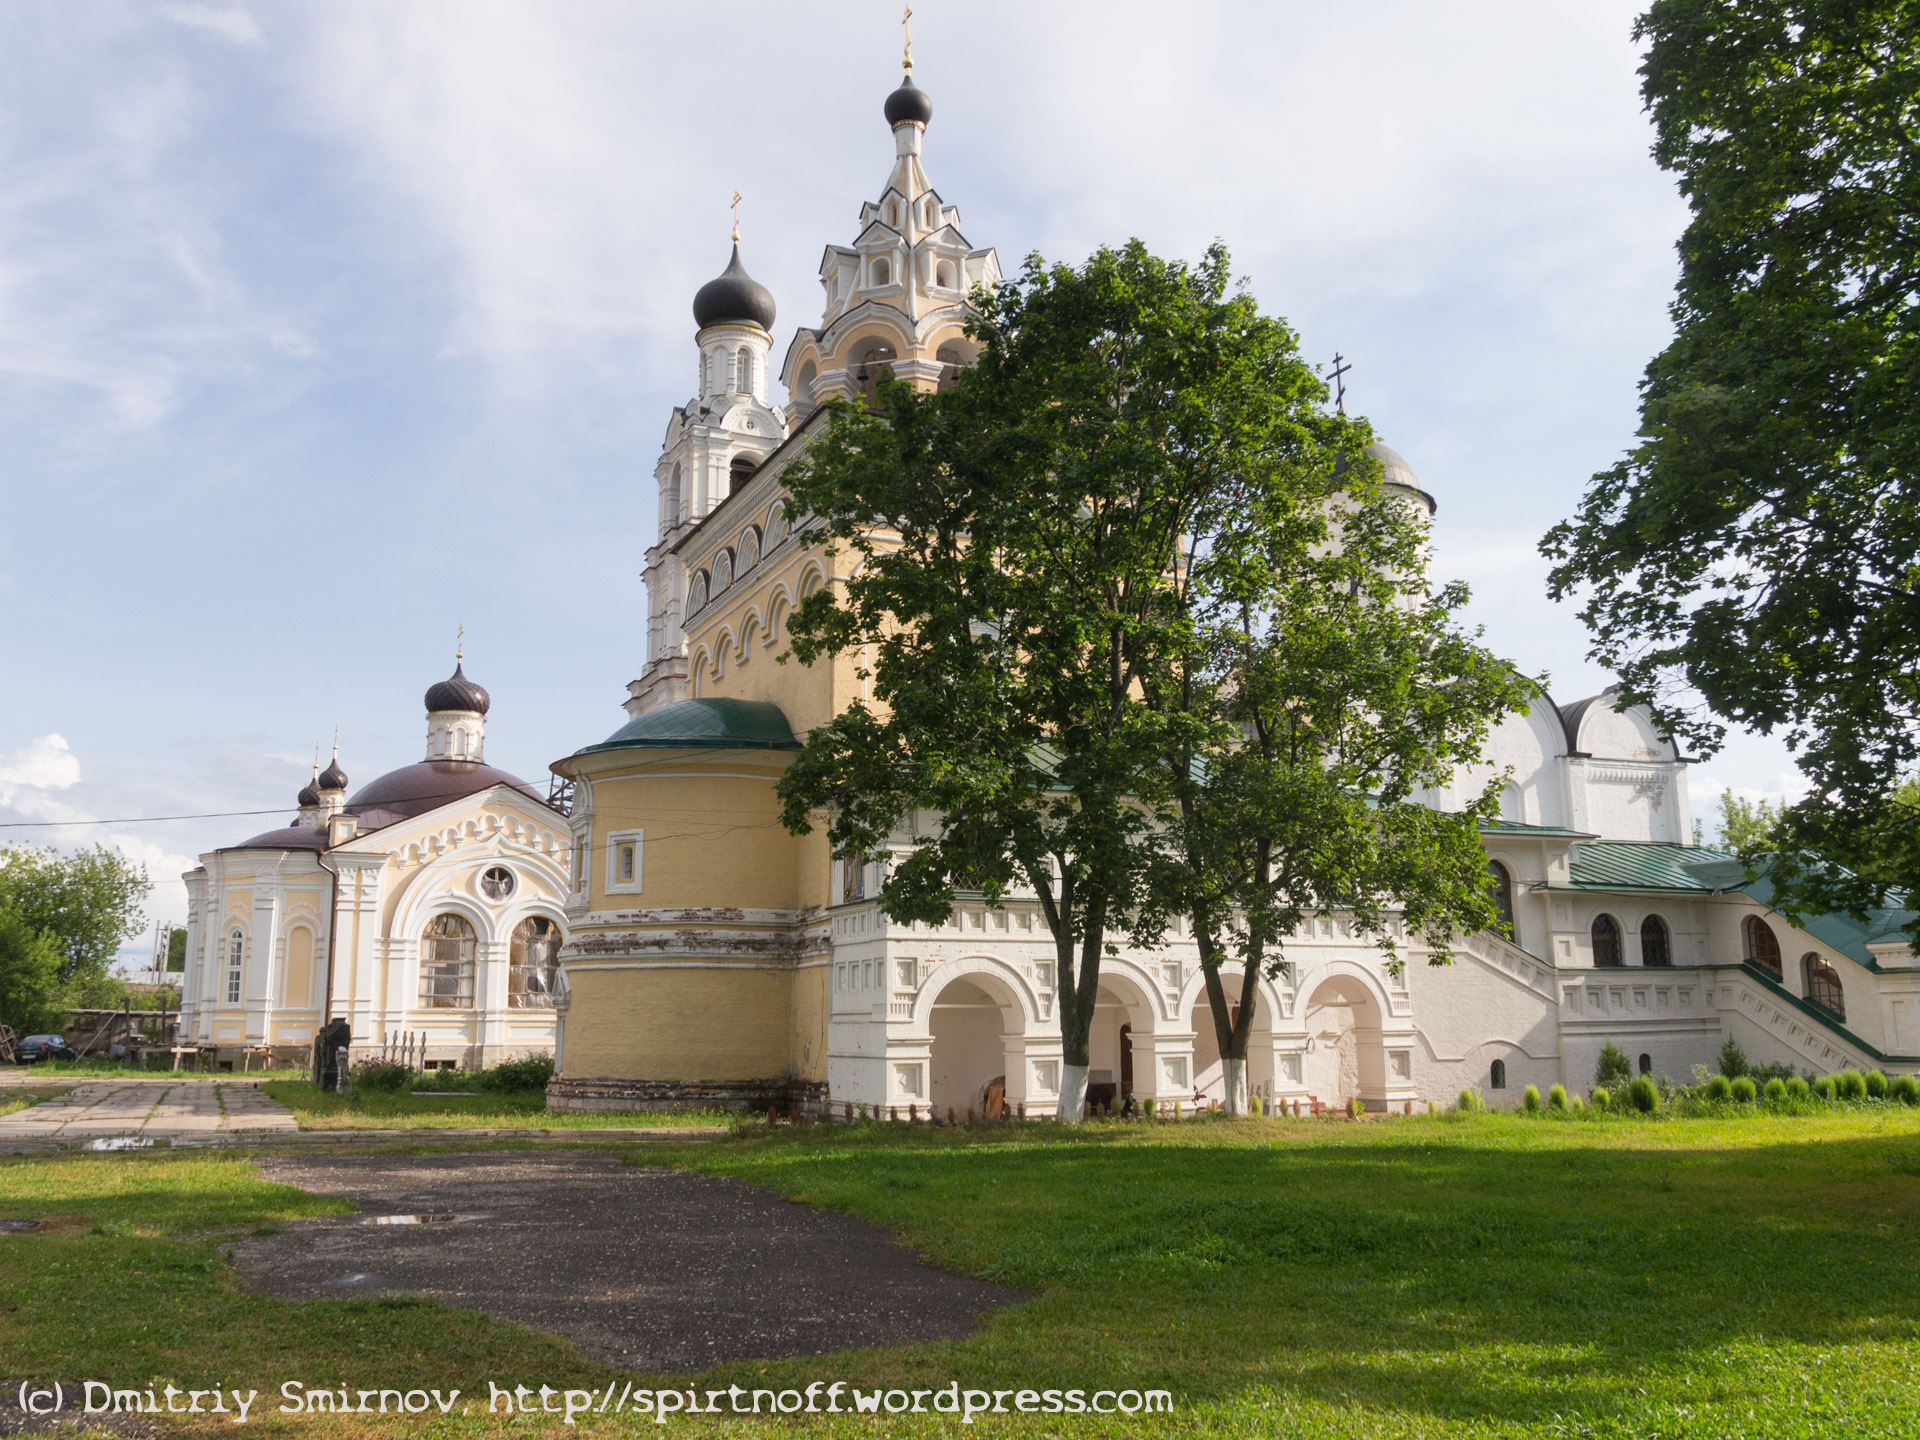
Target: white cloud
point(168, 901)
point(230, 22)
point(291, 341)
point(43, 764)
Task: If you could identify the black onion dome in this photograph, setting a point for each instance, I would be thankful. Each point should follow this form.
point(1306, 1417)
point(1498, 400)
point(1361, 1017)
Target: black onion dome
point(308, 797)
point(909, 103)
point(456, 692)
point(733, 296)
point(333, 777)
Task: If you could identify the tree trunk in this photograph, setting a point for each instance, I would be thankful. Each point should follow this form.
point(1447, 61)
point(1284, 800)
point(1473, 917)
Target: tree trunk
point(1235, 1069)
point(1073, 1093)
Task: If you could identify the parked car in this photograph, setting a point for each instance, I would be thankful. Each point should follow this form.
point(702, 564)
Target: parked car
point(44, 1047)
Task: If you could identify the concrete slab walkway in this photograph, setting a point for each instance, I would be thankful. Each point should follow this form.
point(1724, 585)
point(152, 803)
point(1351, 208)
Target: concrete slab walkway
point(157, 1110)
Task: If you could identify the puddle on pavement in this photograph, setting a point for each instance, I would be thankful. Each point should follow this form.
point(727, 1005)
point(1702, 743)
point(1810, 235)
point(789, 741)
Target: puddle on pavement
point(123, 1142)
point(19, 1227)
point(422, 1219)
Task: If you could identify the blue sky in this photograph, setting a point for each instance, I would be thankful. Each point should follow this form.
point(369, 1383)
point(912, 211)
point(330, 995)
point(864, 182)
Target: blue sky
point(327, 327)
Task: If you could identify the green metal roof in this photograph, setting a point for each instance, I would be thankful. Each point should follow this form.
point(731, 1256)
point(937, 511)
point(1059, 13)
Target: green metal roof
point(704, 725)
point(1844, 933)
point(1644, 865)
point(1515, 830)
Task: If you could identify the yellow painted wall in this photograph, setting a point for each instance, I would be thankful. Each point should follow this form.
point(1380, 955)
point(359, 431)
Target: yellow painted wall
point(296, 979)
point(711, 839)
point(724, 1023)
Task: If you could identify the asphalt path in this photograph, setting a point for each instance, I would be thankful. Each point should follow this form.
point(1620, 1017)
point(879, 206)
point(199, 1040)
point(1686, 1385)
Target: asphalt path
point(651, 1270)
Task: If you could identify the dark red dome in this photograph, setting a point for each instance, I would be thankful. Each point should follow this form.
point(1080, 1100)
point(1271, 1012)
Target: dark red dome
point(456, 692)
point(415, 789)
point(294, 837)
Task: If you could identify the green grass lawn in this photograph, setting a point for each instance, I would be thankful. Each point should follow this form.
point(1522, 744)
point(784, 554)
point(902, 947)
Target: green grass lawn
point(1451, 1276)
point(318, 1109)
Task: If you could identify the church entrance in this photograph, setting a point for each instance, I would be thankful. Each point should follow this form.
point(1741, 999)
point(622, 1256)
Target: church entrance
point(972, 1018)
point(1345, 1057)
point(1209, 1070)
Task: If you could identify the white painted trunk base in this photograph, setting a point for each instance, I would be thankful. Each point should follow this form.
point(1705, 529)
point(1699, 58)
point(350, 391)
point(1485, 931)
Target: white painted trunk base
point(1235, 1076)
point(1073, 1093)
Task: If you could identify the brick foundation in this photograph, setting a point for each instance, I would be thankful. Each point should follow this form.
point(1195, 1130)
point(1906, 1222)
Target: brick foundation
point(612, 1093)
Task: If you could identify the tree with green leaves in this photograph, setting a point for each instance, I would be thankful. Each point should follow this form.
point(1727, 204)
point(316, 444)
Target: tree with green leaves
point(1760, 547)
point(1747, 825)
point(89, 901)
point(1016, 536)
point(29, 975)
point(1331, 690)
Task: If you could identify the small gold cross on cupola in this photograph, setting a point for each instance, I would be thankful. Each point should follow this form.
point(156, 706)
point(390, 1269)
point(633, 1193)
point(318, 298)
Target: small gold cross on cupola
point(906, 26)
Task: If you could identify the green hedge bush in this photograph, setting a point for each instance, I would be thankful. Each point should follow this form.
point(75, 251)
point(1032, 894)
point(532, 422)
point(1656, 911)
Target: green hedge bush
point(1744, 1090)
point(1850, 1085)
point(1905, 1089)
point(1776, 1091)
point(1876, 1083)
point(1530, 1098)
point(1645, 1095)
point(1826, 1087)
point(1557, 1097)
point(1718, 1087)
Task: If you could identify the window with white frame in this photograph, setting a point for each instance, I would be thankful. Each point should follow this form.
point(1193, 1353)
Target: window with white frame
point(236, 960)
point(447, 953)
point(624, 861)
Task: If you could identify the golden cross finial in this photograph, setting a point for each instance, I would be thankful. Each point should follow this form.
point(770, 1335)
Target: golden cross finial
point(460, 644)
point(906, 24)
point(316, 758)
point(736, 217)
point(336, 745)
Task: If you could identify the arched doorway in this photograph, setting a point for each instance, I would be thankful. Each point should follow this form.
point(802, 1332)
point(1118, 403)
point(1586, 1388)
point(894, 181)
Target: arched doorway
point(1345, 1057)
point(1209, 1070)
point(1119, 1015)
point(971, 1019)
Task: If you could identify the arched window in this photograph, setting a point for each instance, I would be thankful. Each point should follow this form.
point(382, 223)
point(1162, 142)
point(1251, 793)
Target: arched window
point(236, 962)
point(776, 526)
point(874, 356)
point(747, 553)
point(533, 964)
point(739, 470)
point(943, 274)
point(1656, 948)
point(1823, 986)
point(1500, 891)
point(722, 572)
point(1606, 940)
point(744, 378)
point(803, 386)
point(296, 980)
point(697, 592)
point(882, 272)
point(706, 372)
point(446, 964)
point(1498, 1079)
point(1763, 948)
point(673, 495)
point(1646, 1063)
point(933, 213)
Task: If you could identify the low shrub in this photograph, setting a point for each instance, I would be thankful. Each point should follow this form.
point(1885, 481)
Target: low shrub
point(1850, 1085)
point(1776, 1091)
point(530, 1072)
point(1601, 1099)
point(1718, 1087)
point(1574, 1102)
point(1905, 1089)
point(376, 1076)
point(1798, 1088)
point(1744, 1090)
point(1557, 1097)
point(1468, 1102)
point(1146, 1107)
point(1772, 1070)
point(1876, 1083)
point(1356, 1107)
point(1530, 1098)
point(1645, 1095)
point(1825, 1087)
point(1613, 1069)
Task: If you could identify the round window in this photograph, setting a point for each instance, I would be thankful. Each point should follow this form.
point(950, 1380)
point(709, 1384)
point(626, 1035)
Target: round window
point(497, 883)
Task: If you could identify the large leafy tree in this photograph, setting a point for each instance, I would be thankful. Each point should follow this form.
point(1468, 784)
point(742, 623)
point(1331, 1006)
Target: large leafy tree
point(29, 975)
point(88, 901)
point(1017, 534)
point(1760, 547)
point(1332, 688)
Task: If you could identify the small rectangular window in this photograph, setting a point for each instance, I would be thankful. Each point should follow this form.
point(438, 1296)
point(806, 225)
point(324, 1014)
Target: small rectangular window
point(626, 862)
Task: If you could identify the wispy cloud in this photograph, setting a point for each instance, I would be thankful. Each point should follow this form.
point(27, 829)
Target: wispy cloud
point(229, 22)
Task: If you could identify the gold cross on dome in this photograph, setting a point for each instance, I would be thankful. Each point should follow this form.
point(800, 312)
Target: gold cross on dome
point(736, 217)
point(906, 25)
point(460, 645)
